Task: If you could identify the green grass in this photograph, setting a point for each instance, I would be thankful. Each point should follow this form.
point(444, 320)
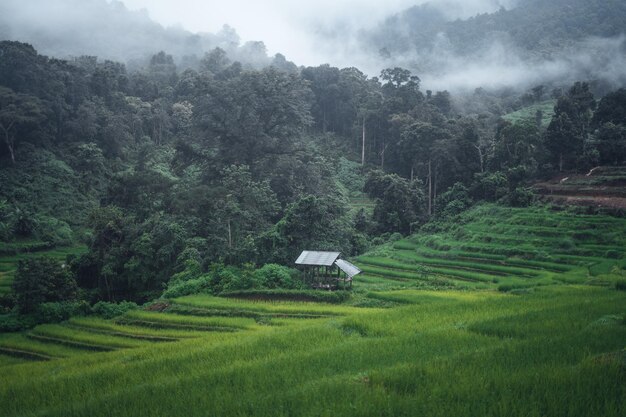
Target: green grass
point(528, 113)
point(434, 353)
point(175, 321)
point(426, 332)
point(498, 246)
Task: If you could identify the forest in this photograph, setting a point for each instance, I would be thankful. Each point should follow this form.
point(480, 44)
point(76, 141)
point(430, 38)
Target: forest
point(158, 186)
point(165, 173)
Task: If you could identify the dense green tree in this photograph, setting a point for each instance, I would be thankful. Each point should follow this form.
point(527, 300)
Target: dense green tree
point(569, 128)
point(399, 202)
point(611, 143)
point(20, 114)
point(42, 280)
point(611, 109)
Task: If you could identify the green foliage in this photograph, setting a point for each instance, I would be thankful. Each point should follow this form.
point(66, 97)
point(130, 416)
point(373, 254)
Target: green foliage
point(110, 310)
point(203, 283)
point(276, 276)
point(521, 197)
point(399, 203)
point(350, 175)
point(55, 312)
point(13, 322)
point(42, 280)
point(454, 201)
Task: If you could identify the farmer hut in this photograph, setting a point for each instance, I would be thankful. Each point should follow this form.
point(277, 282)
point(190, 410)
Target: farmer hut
point(325, 270)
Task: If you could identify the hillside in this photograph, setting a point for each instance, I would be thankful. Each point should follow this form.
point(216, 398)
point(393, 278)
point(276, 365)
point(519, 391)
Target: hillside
point(493, 247)
point(540, 29)
point(411, 337)
point(601, 187)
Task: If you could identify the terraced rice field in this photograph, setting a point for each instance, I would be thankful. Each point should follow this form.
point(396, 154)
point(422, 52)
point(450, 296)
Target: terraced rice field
point(603, 187)
point(435, 353)
point(426, 333)
point(506, 248)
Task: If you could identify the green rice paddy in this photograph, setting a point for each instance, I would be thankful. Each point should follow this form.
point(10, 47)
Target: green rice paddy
point(498, 247)
point(440, 324)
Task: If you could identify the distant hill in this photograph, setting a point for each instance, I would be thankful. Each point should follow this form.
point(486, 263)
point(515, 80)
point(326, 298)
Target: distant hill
point(537, 42)
point(66, 28)
point(537, 27)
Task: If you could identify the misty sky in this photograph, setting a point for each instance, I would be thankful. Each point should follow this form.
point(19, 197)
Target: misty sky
point(289, 26)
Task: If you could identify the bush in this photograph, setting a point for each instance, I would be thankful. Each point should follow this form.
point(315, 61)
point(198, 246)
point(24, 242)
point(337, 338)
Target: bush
point(613, 254)
point(110, 310)
point(395, 237)
point(60, 311)
point(620, 285)
point(42, 280)
point(204, 283)
point(521, 197)
point(276, 276)
point(14, 322)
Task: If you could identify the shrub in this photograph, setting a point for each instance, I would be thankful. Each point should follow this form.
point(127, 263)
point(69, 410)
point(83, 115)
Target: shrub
point(108, 310)
point(42, 280)
point(620, 285)
point(613, 254)
point(204, 283)
point(15, 322)
point(521, 197)
point(276, 276)
point(60, 311)
point(395, 237)
point(565, 243)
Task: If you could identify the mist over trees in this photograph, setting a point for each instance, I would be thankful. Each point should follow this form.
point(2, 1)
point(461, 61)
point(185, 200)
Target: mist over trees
point(453, 45)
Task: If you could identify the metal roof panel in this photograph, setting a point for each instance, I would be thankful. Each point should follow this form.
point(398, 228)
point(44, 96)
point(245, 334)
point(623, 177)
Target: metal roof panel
point(317, 258)
point(347, 267)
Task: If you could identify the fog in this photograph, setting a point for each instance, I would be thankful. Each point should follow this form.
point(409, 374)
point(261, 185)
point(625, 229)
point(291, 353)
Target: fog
point(297, 28)
point(307, 33)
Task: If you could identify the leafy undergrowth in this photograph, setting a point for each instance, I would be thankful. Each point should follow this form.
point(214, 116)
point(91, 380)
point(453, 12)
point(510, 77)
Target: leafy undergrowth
point(505, 248)
point(462, 353)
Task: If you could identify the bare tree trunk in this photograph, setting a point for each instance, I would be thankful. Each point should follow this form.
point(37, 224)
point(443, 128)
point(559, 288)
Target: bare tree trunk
point(481, 158)
point(8, 141)
point(430, 189)
point(435, 194)
point(106, 284)
point(382, 157)
point(561, 162)
point(363, 145)
point(230, 236)
point(412, 173)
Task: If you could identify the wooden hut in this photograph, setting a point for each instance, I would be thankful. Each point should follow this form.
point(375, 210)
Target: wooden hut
point(325, 270)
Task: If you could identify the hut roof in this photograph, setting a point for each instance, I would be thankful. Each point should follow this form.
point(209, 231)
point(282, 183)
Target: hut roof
point(314, 258)
point(347, 267)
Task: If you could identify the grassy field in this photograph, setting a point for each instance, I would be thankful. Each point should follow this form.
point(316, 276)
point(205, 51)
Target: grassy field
point(530, 112)
point(494, 247)
point(494, 315)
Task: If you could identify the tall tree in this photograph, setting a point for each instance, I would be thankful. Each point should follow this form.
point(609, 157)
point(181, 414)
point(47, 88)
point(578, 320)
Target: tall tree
point(18, 114)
